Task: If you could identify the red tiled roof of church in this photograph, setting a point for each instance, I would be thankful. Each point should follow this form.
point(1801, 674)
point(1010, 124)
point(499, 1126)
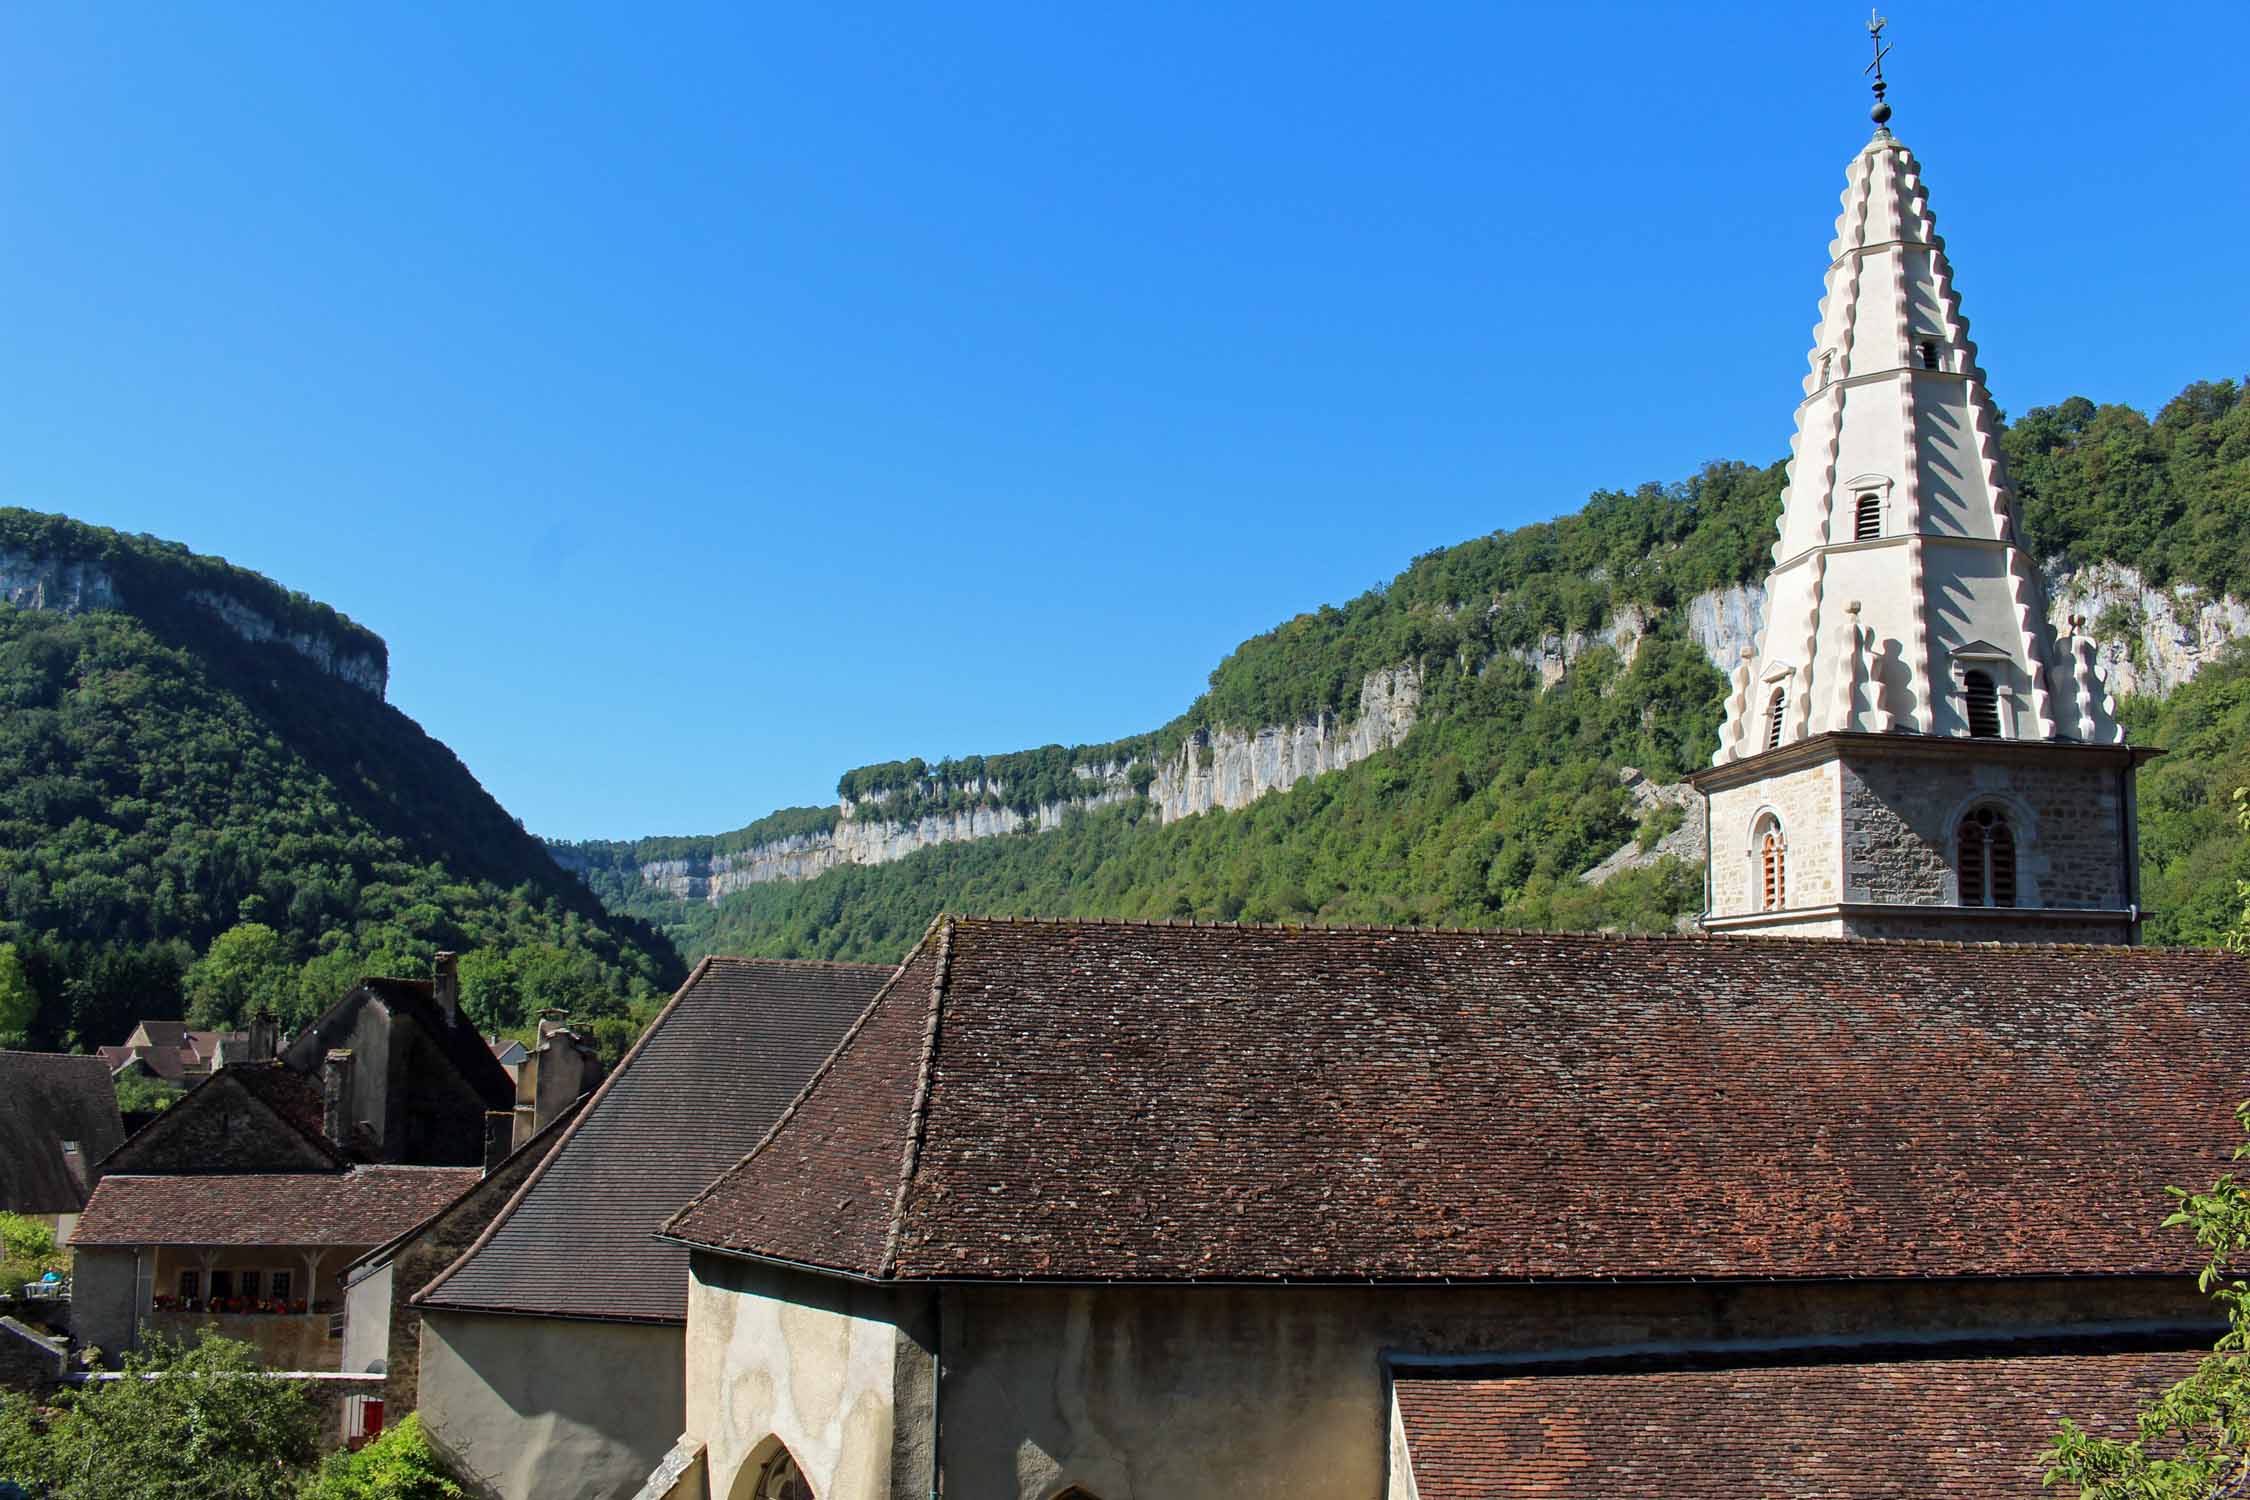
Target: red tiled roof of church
point(1109, 1100)
point(1967, 1427)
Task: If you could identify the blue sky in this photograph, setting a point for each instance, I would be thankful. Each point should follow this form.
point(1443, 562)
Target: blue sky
point(702, 400)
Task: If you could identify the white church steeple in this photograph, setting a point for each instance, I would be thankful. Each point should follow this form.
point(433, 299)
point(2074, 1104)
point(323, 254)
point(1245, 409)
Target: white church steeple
point(1901, 599)
point(1909, 751)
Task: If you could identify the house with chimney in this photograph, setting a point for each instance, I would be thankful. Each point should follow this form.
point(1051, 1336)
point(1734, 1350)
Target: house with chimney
point(173, 1052)
point(241, 1206)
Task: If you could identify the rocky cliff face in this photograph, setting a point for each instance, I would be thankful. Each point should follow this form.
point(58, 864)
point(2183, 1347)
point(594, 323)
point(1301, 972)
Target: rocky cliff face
point(1229, 769)
point(74, 586)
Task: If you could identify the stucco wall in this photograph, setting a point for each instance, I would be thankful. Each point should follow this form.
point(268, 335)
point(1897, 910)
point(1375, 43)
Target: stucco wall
point(102, 1298)
point(1188, 1394)
point(552, 1408)
point(815, 1364)
point(367, 1326)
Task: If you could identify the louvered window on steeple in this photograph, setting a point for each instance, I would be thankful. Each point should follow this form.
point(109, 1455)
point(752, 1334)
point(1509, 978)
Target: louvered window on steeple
point(1773, 865)
point(1982, 702)
point(1774, 716)
point(1867, 523)
point(1929, 354)
point(1986, 859)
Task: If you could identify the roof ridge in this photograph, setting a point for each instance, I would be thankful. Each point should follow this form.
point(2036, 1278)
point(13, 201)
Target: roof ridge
point(918, 1116)
point(584, 1113)
point(1654, 939)
point(827, 1064)
point(793, 963)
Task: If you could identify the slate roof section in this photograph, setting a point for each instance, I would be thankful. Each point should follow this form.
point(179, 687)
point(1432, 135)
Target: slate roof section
point(1122, 1101)
point(47, 1098)
point(364, 1206)
point(1971, 1428)
point(707, 1079)
point(458, 1039)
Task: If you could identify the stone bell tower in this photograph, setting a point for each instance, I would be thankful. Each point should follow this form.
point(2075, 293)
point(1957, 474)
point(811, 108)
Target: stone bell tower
point(1910, 751)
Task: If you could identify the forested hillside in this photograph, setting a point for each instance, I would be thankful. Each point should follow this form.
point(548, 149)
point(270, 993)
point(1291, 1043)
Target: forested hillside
point(1505, 792)
point(193, 820)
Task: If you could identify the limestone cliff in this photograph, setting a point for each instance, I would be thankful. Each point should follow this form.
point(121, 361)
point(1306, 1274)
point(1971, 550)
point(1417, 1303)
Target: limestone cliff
point(67, 582)
point(1211, 769)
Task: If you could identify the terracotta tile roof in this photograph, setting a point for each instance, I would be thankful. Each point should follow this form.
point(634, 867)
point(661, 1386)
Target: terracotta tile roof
point(364, 1206)
point(1108, 1100)
point(1971, 1428)
point(47, 1098)
point(699, 1088)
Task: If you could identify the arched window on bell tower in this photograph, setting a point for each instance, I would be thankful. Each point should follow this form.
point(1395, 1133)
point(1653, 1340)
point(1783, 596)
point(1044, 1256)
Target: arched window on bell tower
point(1867, 521)
point(1985, 858)
point(1776, 710)
point(1771, 853)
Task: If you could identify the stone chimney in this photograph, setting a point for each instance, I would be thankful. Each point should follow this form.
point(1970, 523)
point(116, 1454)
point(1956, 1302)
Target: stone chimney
point(445, 986)
point(265, 1037)
point(336, 1096)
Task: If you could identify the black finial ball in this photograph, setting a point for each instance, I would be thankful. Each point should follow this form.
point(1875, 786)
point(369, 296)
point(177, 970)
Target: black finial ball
point(1880, 114)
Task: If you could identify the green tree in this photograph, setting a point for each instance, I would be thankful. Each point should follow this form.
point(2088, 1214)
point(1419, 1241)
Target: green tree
point(399, 1465)
point(19, 1003)
point(247, 968)
point(137, 1093)
point(185, 1422)
point(27, 1250)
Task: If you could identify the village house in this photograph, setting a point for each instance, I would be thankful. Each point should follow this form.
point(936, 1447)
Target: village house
point(58, 1119)
point(1857, 1194)
point(173, 1052)
point(551, 1357)
point(241, 1205)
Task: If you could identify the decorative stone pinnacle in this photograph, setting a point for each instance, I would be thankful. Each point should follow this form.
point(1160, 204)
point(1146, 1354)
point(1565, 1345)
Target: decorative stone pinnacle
point(1881, 113)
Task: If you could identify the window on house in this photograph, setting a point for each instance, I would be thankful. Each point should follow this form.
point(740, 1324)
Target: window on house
point(191, 1285)
point(1773, 872)
point(222, 1284)
point(1774, 710)
point(1868, 523)
point(281, 1281)
point(250, 1284)
point(1929, 354)
point(1982, 701)
point(1987, 859)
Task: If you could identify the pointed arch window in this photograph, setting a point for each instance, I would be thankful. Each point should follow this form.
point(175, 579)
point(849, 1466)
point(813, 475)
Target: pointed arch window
point(1772, 852)
point(781, 1479)
point(1776, 710)
point(1980, 702)
point(1867, 519)
point(1986, 858)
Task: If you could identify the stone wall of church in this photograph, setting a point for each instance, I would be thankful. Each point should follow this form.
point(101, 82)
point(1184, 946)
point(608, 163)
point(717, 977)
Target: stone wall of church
point(1806, 801)
point(1901, 816)
point(1204, 1393)
point(836, 1372)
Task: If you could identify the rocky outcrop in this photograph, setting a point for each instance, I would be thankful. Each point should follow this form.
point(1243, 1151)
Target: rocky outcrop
point(75, 586)
point(1233, 769)
point(64, 585)
point(1652, 799)
point(360, 669)
point(2148, 640)
point(1213, 769)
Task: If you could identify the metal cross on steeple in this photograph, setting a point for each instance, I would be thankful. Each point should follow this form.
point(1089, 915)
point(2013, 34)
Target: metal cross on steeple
point(1881, 113)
